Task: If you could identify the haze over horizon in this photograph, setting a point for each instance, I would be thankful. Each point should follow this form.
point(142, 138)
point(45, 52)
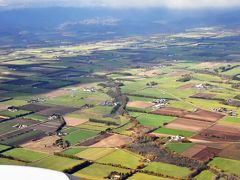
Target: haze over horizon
point(171, 4)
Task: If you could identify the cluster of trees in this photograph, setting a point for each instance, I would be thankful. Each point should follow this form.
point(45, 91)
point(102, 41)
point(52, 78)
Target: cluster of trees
point(62, 143)
point(234, 103)
point(185, 78)
point(77, 167)
point(119, 175)
point(162, 155)
point(108, 123)
point(151, 84)
point(236, 85)
point(119, 98)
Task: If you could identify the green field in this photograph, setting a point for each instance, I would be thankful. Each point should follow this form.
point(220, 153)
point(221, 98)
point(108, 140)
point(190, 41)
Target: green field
point(227, 165)
point(178, 147)
point(3, 147)
point(13, 114)
point(36, 117)
point(174, 132)
point(139, 176)
point(79, 135)
point(56, 163)
point(123, 158)
point(73, 151)
point(204, 175)
point(25, 155)
point(98, 171)
point(152, 120)
point(94, 153)
point(4, 161)
point(231, 120)
point(136, 98)
point(168, 169)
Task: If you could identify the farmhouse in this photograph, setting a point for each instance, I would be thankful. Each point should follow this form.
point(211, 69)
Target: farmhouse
point(89, 90)
point(176, 138)
point(12, 109)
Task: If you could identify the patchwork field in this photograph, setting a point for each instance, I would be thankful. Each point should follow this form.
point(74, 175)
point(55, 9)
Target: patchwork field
point(98, 171)
point(227, 165)
point(165, 104)
point(122, 157)
point(168, 169)
point(57, 163)
point(25, 155)
point(173, 132)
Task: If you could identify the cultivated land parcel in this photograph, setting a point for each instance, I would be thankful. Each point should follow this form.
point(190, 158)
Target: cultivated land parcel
point(159, 107)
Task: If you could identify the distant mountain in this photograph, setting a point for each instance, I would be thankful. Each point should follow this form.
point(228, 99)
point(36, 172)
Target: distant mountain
point(20, 24)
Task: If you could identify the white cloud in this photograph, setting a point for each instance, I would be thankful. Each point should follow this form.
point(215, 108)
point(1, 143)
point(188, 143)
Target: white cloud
point(179, 4)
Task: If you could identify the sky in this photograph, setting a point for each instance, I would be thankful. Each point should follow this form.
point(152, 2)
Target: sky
point(172, 4)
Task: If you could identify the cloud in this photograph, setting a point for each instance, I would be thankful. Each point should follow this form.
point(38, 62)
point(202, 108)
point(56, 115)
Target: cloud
point(175, 4)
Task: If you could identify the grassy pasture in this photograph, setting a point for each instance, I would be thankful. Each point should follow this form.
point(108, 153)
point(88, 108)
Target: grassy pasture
point(95, 126)
point(227, 165)
point(204, 175)
point(24, 154)
point(4, 161)
point(36, 117)
point(3, 147)
point(94, 153)
point(73, 151)
point(168, 169)
point(153, 120)
point(138, 176)
point(15, 102)
point(122, 157)
point(98, 171)
point(174, 132)
point(231, 120)
point(13, 114)
point(56, 163)
point(178, 147)
point(136, 98)
point(78, 135)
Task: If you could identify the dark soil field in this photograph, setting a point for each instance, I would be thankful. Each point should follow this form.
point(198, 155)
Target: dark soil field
point(231, 151)
point(171, 112)
point(21, 137)
point(34, 107)
point(188, 124)
point(206, 154)
point(19, 82)
point(203, 96)
point(60, 110)
point(192, 151)
point(220, 133)
point(186, 86)
point(204, 115)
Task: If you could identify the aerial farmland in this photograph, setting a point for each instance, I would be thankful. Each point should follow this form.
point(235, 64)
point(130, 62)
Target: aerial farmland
point(160, 109)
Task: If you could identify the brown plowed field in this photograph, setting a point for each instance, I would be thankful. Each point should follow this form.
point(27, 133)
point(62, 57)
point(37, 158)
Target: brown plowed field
point(113, 141)
point(188, 124)
point(192, 151)
point(186, 86)
point(34, 107)
point(220, 133)
point(3, 107)
point(206, 154)
point(204, 115)
point(56, 110)
point(170, 112)
point(43, 145)
point(140, 104)
point(231, 152)
point(203, 95)
point(56, 93)
point(70, 121)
